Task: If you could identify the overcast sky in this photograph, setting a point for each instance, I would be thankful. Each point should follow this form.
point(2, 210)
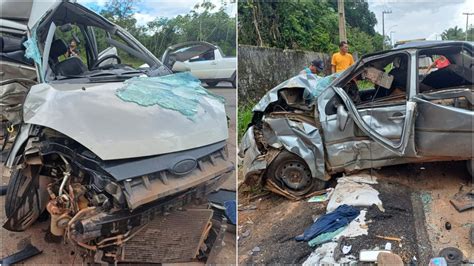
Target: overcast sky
point(421, 18)
point(148, 10)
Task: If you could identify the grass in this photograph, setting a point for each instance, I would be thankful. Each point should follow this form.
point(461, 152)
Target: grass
point(244, 117)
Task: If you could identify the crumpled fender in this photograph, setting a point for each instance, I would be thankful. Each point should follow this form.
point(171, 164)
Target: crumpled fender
point(299, 138)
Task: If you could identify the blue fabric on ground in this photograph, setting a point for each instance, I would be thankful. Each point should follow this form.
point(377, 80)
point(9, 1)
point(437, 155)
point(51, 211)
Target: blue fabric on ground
point(330, 222)
point(231, 211)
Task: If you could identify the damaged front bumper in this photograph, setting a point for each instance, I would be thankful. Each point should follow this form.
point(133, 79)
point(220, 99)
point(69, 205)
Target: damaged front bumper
point(277, 133)
point(90, 199)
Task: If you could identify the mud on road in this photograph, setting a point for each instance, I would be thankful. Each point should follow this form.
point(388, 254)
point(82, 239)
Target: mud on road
point(416, 202)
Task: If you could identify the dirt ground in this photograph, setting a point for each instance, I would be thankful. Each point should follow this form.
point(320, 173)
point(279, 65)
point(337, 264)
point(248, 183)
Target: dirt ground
point(61, 253)
point(416, 202)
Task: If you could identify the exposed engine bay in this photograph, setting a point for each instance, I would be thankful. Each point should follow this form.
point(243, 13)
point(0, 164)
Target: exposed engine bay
point(89, 204)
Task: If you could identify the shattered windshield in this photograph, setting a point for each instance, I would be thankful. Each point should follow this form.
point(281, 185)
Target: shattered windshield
point(80, 46)
point(92, 53)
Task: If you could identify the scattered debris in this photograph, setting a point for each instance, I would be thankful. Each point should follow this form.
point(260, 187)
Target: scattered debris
point(323, 197)
point(346, 249)
point(452, 255)
point(389, 259)
point(388, 246)
point(438, 261)
point(447, 225)
point(270, 185)
point(324, 255)
point(325, 237)
point(245, 234)
point(370, 255)
point(248, 208)
point(27, 252)
point(256, 249)
point(389, 238)
point(330, 222)
point(3, 190)
point(223, 202)
point(357, 227)
point(463, 201)
point(426, 199)
point(471, 234)
point(355, 191)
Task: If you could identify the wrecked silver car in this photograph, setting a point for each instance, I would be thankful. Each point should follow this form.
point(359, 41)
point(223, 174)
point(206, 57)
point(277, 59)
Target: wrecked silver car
point(101, 144)
point(383, 110)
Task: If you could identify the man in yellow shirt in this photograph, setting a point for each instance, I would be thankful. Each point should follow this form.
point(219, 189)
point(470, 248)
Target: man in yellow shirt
point(342, 59)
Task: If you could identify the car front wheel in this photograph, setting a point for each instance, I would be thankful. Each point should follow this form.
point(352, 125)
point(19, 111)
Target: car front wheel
point(291, 174)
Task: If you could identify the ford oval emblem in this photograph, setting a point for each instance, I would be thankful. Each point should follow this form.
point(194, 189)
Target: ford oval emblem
point(184, 167)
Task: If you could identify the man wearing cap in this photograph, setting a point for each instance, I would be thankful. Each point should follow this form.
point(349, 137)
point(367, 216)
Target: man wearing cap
point(316, 67)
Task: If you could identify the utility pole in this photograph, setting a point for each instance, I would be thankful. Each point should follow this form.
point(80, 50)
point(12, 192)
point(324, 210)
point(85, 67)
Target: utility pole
point(467, 23)
point(342, 21)
point(383, 26)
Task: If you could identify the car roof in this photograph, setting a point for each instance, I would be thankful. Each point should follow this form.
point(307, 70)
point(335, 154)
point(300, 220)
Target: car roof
point(425, 44)
point(421, 45)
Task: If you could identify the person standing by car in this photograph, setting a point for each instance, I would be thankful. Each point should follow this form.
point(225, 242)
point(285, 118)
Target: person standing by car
point(72, 49)
point(316, 67)
point(342, 59)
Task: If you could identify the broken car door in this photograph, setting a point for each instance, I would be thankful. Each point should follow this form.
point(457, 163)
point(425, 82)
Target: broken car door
point(374, 118)
point(443, 127)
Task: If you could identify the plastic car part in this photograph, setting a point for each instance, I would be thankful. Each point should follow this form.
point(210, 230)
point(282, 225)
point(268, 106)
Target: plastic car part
point(452, 255)
point(27, 252)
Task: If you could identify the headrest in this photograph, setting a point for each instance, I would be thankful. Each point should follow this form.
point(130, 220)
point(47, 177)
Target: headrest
point(58, 48)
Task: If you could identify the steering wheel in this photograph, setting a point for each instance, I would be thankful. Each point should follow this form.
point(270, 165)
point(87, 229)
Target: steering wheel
point(109, 56)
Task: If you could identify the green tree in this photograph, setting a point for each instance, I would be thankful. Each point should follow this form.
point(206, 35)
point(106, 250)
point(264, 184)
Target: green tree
point(453, 34)
point(203, 23)
point(306, 25)
point(358, 15)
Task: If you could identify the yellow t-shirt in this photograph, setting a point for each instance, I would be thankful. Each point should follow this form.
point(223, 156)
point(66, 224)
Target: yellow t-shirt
point(342, 61)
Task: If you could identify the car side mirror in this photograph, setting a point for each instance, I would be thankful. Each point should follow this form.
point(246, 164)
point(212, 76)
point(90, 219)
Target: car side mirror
point(179, 66)
point(342, 117)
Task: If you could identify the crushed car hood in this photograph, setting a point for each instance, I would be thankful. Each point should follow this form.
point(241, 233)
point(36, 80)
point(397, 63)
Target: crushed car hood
point(112, 121)
point(313, 86)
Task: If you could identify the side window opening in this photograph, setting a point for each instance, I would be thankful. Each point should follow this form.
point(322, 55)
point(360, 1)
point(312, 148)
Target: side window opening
point(448, 67)
point(379, 81)
point(207, 56)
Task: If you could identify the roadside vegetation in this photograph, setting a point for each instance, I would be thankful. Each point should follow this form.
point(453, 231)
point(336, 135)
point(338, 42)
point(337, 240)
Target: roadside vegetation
point(307, 25)
point(205, 22)
point(244, 118)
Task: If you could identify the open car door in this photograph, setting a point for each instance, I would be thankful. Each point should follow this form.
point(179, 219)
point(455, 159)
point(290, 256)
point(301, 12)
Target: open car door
point(383, 113)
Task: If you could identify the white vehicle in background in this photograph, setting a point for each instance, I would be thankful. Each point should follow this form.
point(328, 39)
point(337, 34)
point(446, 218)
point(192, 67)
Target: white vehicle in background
point(204, 60)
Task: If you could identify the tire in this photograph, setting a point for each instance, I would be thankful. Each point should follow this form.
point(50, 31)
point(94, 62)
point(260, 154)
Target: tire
point(301, 182)
point(12, 201)
point(212, 83)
